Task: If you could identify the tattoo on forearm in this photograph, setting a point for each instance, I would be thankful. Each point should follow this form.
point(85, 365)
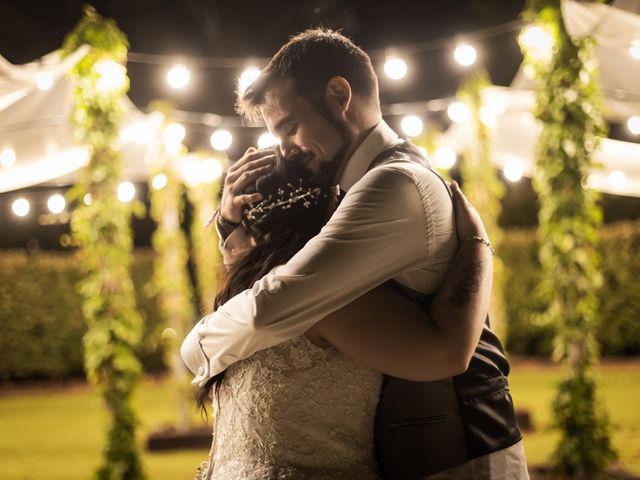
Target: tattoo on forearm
point(469, 285)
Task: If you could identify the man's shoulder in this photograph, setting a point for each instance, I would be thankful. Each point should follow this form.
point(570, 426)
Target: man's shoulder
point(401, 166)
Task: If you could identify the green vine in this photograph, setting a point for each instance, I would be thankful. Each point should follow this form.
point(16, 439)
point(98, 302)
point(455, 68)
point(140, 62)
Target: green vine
point(569, 109)
point(101, 229)
point(171, 280)
point(206, 254)
point(481, 183)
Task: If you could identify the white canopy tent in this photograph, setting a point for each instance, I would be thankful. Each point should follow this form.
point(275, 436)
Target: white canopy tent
point(514, 135)
point(37, 143)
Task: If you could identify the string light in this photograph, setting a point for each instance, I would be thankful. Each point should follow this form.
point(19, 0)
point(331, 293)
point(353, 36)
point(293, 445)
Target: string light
point(178, 77)
point(411, 125)
point(513, 170)
point(44, 81)
point(395, 68)
point(618, 180)
point(159, 181)
point(634, 49)
point(8, 157)
point(633, 124)
point(465, 54)
point(445, 157)
point(537, 41)
point(126, 192)
point(87, 199)
point(221, 140)
point(112, 75)
point(267, 140)
point(21, 207)
point(488, 116)
point(172, 137)
point(247, 77)
point(458, 112)
point(56, 203)
point(138, 132)
point(210, 170)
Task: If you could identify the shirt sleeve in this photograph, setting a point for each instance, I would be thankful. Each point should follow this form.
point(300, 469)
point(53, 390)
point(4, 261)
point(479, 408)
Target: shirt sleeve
point(380, 229)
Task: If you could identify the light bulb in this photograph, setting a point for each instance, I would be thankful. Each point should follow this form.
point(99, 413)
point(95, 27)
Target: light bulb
point(8, 157)
point(513, 170)
point(465, 54)
point(44, 81)
point(56, 203)
point(458, 112)
point(267, 140)
point(159, 181)
point(411, 125)
point(395, 68)
point(178, 77)
point(221, 140)
point(126, 192)
point(112, 75)
point(445, 157)
point(247, 77)
point(21, 207)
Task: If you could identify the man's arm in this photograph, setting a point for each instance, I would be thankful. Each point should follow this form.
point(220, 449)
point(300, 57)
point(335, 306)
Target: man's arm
point(382, 228)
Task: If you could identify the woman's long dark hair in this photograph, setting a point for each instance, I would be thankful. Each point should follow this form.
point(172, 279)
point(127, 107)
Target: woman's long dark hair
point(279, 235)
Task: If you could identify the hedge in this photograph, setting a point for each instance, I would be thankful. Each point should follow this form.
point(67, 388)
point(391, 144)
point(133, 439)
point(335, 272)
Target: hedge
point(619, 326)
point(41, 325)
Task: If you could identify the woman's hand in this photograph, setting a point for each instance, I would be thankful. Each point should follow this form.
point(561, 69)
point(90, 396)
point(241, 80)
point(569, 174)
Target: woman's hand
point(468, 221)
point(253, 165)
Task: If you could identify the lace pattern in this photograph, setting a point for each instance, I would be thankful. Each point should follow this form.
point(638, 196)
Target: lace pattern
point(296, 411)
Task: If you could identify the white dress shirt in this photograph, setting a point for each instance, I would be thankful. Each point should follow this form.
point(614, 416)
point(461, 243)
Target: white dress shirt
point(395, 221)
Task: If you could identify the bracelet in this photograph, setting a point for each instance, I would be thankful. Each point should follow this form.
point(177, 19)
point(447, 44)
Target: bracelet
point(481, 240)
point(224, 222)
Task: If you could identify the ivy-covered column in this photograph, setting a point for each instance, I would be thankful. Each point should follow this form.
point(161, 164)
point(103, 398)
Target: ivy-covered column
point(101, 229)
point(171, 281)
point(481, 183)
point(569, 108)
point(203, 196)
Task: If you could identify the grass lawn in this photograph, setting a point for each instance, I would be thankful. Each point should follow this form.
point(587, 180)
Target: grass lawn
point(532, 386)
point(58, 433)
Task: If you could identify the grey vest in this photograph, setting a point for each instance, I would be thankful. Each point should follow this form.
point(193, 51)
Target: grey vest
point(427, 427)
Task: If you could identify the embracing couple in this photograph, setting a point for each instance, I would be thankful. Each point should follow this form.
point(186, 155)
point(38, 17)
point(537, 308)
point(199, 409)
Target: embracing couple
point(350, 338)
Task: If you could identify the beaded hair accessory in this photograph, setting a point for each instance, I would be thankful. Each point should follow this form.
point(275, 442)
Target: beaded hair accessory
point(283, 200)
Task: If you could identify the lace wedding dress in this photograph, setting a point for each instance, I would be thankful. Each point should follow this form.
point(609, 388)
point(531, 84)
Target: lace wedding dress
point(295, 411)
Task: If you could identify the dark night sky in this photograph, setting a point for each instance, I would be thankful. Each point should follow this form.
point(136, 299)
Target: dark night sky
point(245, 29)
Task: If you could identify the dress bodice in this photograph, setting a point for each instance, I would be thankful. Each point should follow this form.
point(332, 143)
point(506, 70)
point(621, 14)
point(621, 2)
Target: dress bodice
point(296, 411)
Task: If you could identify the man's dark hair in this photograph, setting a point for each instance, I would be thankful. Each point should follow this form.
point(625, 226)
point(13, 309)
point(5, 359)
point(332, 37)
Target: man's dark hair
point(309, 60)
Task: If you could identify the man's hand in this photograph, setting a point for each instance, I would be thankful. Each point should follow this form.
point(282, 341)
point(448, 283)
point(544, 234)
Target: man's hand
point(253, 165)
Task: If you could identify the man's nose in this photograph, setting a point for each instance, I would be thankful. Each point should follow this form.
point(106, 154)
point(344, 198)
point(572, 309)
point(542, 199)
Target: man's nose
point(289, 150)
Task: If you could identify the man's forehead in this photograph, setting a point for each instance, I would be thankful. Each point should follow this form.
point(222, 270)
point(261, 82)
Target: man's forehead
point(278, 100)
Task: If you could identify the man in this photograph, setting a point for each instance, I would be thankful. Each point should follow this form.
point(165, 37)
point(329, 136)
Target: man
point(319, 95)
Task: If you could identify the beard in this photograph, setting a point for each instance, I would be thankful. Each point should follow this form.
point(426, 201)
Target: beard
point(327, 174)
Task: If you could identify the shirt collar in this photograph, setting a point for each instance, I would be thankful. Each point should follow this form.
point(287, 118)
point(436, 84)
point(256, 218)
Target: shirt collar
point(381, 138)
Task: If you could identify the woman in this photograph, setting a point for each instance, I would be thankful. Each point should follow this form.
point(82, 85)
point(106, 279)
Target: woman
point(305, 408)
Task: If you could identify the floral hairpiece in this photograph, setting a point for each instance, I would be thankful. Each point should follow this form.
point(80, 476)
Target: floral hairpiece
point(283, 200)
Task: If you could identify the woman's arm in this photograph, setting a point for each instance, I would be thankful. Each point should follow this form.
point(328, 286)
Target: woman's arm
point(392, 334)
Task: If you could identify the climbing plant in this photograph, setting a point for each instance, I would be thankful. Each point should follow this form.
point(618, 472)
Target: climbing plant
point(480, 179)
point(171, 281)
point(207, 259)
point(100, 225)
point(569, 108)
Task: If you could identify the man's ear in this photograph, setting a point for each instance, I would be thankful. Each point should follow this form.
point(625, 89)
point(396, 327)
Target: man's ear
point(337, 94)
